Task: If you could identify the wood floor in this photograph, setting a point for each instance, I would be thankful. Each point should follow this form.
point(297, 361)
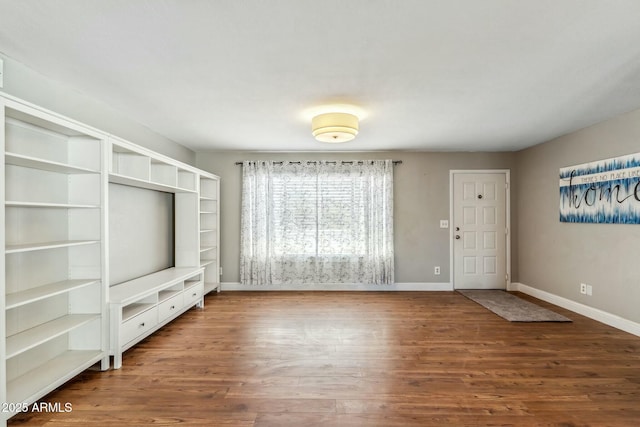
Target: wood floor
point(361, 359)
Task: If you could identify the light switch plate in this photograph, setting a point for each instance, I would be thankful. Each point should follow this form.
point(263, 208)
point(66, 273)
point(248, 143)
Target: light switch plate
point(444, 223)
point(1, 72)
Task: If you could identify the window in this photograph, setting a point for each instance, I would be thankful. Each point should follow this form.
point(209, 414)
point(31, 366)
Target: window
point(313, 216)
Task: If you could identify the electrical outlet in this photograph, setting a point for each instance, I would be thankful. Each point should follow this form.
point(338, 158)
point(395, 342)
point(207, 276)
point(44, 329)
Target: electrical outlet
point(589, 290)
point(583, 288)
point(444, 223)
point(1, 73)
point(436, 270)
point(221, 271)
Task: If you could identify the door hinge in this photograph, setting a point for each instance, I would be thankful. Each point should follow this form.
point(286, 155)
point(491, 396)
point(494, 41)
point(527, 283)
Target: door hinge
point(506, 231)
point(506, 277)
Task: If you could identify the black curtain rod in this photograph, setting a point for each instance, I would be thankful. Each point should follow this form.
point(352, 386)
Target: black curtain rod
point(395, 162)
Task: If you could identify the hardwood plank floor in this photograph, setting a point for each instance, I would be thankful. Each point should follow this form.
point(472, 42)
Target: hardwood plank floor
point(361, 359)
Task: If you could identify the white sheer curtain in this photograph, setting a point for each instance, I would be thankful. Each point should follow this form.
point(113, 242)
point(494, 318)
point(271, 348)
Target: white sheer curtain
point(318, 222)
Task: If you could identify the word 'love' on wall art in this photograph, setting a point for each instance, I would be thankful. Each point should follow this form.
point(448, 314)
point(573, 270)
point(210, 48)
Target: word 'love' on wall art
point(604, 191)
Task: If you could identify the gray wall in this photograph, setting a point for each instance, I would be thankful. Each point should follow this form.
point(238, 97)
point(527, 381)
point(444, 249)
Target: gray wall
point(29, 85)
point(421, 196)
point(141, 232)
point(556, 257)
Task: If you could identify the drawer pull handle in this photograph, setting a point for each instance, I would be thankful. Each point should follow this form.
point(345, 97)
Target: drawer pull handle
point(172, 307)
point(194, 294)
point(142, 325)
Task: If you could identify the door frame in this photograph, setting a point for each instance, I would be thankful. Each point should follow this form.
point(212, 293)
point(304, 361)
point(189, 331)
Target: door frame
point(507, 206)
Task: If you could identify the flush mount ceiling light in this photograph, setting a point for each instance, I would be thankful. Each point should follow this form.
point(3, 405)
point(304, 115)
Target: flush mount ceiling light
point(334, 127)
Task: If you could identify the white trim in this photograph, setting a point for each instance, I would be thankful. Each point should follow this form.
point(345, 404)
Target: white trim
point(411, 286)
point(507, 178)
point(514, 286)
point(590, 312)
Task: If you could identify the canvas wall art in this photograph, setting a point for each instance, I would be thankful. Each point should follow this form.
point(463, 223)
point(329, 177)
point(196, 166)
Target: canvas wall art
point(603, 191)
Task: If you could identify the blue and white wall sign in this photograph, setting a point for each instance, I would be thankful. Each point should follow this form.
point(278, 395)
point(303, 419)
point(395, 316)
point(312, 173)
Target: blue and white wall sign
point(604, 191)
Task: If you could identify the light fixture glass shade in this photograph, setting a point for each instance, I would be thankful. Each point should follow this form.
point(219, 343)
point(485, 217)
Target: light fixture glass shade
point(334, 127)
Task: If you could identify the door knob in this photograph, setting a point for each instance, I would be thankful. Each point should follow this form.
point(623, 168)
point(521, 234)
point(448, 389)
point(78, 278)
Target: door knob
point(457, 236)
point(457, 228)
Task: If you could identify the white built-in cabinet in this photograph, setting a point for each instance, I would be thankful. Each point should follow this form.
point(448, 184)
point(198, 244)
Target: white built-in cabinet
point(141, 306)
point(55, 296)
point(54, 320)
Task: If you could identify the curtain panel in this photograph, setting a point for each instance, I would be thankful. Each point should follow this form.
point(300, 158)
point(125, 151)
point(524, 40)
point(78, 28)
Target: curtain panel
point(317, 222)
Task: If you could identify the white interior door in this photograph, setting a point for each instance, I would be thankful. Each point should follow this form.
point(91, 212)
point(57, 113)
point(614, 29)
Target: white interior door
point(480, 230)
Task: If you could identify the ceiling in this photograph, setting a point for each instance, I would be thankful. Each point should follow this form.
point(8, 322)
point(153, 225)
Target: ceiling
point(445, 75)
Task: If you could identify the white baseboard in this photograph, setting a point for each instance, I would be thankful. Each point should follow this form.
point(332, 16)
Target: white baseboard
point(411, 286)
point(593, 313)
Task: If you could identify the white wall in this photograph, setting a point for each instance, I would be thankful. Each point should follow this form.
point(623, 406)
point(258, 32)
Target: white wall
point(556, 257)
point(31, 86)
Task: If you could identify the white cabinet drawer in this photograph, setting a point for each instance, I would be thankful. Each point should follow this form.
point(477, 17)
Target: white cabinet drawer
point(138, 325)
point(193, 294)
point(170, 307)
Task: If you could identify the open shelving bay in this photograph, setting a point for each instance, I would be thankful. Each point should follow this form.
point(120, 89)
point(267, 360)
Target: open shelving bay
point(209, 231)
point(53, 299)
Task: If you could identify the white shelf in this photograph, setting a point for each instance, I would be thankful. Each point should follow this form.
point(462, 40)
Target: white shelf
point(15, 204)
point(135, 182)
point(28, 296)
point(186, 180)
point(207, 230)
point(167, 294)
point(132, 310)
point(190, 283)
point(206, 262)
point(206, 248)
point(46, 377)
point(42, 164)
point(212, 199)
point(11, 249)
point(23, 341)
point(207, 212)
point(133, 290)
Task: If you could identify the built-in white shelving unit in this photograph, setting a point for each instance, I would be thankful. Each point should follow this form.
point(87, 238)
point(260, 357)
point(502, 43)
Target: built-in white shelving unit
point(53, 299)
point(141, 306)
point(209, 231)
point(59, 316)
